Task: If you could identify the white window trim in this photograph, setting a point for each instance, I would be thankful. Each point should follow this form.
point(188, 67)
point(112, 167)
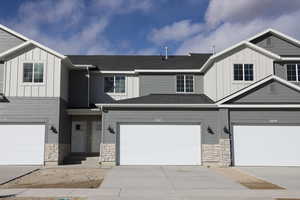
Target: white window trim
point(115, 93)
point(297, 66)
point(243, 81)
point(33, 62)
point(184, 84)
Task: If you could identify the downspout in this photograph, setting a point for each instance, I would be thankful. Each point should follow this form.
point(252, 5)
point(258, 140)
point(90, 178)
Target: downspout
point(102, 135)
point(88, 86)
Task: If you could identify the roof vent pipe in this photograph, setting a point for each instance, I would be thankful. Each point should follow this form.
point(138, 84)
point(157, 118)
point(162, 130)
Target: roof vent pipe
point(166, 53)
point(213, 49)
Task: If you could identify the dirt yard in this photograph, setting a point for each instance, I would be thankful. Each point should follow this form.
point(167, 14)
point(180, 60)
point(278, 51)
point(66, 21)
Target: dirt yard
point(60, 178)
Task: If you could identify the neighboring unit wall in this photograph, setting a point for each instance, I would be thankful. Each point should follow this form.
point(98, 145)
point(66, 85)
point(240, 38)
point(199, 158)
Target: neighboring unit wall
point(218, 80)
point(8, 41)
point(277, 45)
point(165, 84)
point(1, 78)
point(14, 85)
point(36, 110)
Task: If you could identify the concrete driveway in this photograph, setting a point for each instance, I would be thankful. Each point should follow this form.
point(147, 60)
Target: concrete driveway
point(8, 173)
point(287, 177)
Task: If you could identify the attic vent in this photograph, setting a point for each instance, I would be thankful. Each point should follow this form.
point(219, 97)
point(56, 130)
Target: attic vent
point(269, 41)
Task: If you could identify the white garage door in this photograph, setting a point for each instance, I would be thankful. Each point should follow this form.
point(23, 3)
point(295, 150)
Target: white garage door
point(266, 145)
point(22, 144)
point(160, 144)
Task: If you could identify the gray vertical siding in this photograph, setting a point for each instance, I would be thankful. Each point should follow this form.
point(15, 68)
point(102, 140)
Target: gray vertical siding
point(1, 78)
point(33, 110)
point(278, 45)
point(165, 84)
point(8, 41)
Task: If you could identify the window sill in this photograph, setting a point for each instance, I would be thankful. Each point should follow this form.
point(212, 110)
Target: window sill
point(115, 94)
point(33, 84)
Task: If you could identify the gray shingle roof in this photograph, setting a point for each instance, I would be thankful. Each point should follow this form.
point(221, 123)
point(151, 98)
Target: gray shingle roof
point(130, 62)
point(168, 99)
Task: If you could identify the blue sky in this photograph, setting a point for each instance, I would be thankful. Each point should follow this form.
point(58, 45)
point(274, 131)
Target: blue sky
point(146, 26)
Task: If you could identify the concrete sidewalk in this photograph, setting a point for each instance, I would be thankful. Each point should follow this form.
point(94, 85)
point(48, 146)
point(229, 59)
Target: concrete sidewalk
point(8, 173)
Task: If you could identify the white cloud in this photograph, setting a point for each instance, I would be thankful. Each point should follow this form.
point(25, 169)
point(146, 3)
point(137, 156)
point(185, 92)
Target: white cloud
point(246, 10)
point(123, 6)
point(175, 32)
point(228, 23)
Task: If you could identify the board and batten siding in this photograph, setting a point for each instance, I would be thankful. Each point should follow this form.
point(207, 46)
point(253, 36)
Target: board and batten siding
point(8, 41)
point(1, 77)
point(218, 79)
point(14, 85)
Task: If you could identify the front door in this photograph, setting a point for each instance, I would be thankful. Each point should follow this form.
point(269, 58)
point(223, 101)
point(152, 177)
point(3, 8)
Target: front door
point(79, 132)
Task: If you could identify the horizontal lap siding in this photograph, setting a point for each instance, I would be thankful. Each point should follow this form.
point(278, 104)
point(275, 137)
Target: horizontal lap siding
point(165, 84)
point(1, 78)
point(8, 41)
point(32, 110)
point(207, 118)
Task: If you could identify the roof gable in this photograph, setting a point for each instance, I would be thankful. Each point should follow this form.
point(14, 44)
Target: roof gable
point(271, 90)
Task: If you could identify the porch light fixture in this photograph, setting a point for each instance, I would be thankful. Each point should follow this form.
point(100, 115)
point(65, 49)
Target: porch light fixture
point(226, 130)
point(209, 130)
point(53, 129)
point(111, 130)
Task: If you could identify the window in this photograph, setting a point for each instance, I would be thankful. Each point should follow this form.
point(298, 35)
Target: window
point(33, 72)
point(243, 72)
point(293, 72)
point(185, 83)
point(114, 84)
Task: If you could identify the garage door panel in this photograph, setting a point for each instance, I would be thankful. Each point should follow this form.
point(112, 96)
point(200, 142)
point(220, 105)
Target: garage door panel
point(155, 144)
point(24, 144)
point(267, 145)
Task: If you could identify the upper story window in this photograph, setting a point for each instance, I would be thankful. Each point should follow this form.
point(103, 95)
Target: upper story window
point(243, 72)
point(185, 83)
point(33, 72)
point(114, 84)
point(293, 72)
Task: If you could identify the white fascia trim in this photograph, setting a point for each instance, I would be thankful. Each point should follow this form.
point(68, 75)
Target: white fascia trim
point(25, 44)
point(94, 111)
point(48, 49)
point(285, 82)
point(246, 43)
point(32, 42)
point(84, 66)
point(14, 32)
point(282, 35)
point(260, 106)
point(167, 70)
point(116, 72)
point(158, 105)
point(290, 58)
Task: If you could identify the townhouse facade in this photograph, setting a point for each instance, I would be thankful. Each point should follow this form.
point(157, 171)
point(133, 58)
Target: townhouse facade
point(239, 107)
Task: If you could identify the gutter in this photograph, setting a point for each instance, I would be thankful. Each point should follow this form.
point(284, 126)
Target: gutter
point(156, 106)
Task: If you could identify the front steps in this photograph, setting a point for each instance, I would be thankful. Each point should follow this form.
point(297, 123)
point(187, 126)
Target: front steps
point(80, 159)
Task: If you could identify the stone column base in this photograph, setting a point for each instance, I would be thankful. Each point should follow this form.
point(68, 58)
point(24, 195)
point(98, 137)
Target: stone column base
point(108, 153)
point(51, 154)
point(216, 155)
